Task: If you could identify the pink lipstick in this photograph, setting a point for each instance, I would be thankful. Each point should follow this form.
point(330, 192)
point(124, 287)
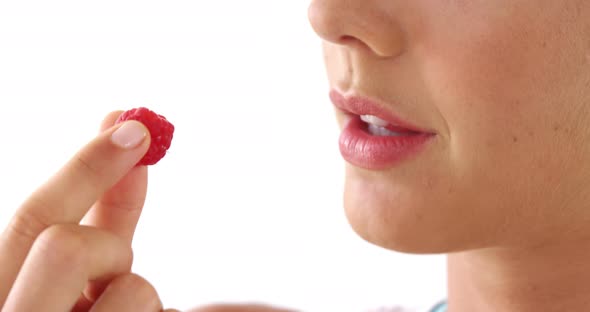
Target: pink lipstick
point(373, 137)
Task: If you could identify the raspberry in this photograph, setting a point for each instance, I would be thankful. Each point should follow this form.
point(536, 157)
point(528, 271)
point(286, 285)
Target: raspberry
point(161, 132)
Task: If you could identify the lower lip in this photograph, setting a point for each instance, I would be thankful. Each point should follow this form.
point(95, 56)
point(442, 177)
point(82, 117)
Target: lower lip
point(362, 149)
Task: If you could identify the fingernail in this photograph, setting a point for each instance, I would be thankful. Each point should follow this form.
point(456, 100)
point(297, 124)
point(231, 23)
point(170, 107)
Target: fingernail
point(129, 135)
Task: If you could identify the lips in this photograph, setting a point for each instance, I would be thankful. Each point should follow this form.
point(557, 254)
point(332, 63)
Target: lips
point(373, 137)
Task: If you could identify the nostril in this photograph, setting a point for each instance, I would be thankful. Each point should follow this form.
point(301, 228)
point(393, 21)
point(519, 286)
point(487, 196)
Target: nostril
point(347, 39)
point(353, 42)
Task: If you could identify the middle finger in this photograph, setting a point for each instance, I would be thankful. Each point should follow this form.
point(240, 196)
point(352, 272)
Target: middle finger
point(119, 208)
point(63, 259)
point(69, 194)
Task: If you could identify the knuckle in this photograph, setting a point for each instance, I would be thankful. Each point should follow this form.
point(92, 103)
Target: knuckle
point(84, 166)
point(26, 224)
point(117, 204)
point(142, 290)
point(125, 254)
point(130, 255)
point(62, 247)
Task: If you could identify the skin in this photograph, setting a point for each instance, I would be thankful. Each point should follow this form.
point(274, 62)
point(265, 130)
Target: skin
point(504, 186)
point(62, 244)
point(71, 251)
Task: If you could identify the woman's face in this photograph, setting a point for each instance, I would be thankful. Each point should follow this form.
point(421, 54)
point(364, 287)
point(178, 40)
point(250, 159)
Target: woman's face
point(503, 90)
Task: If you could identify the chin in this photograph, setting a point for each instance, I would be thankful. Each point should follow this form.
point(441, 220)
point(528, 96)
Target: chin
point(394, 216)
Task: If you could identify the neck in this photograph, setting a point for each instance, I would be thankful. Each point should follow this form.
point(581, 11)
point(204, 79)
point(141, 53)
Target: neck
point(550, 278)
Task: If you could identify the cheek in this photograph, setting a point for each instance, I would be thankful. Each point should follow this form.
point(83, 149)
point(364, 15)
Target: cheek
point(505, 90)
point(509, 68)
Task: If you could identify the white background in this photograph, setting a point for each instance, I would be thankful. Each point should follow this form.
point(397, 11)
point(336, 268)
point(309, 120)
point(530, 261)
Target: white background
point(247, 205)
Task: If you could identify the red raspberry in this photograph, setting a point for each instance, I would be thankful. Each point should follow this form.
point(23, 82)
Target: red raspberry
point(161, 132)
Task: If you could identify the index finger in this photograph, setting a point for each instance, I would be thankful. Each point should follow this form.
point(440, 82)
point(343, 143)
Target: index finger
point(70, 193)
point(119, 208)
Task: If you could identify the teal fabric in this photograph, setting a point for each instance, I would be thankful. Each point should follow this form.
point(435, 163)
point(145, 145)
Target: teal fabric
point(441, 307)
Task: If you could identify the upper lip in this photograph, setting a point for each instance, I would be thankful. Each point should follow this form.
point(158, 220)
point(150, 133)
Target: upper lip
point(360, 105)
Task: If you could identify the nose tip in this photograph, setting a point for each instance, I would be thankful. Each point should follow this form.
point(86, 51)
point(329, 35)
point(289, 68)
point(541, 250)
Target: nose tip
point(323, 21)
point(356, 24)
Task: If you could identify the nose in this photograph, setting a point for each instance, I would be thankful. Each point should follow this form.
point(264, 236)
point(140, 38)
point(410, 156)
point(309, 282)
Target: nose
point(357, 24)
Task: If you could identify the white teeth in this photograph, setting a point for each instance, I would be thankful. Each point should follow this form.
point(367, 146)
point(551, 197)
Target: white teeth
point(374, 120)
point(380, 131)
point(376, 126)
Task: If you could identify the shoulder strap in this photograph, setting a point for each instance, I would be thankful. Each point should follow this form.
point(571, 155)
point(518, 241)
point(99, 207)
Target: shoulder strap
point(440, 307)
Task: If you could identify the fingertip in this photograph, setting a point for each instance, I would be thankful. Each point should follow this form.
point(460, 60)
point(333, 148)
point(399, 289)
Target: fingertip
point(109, 120)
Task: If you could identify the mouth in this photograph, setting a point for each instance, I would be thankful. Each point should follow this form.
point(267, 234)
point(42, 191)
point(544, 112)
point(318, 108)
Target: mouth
point(380, 127)
point(375, 138)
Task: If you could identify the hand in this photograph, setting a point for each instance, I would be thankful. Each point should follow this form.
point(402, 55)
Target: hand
point(239, 308)
point(49, 261)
